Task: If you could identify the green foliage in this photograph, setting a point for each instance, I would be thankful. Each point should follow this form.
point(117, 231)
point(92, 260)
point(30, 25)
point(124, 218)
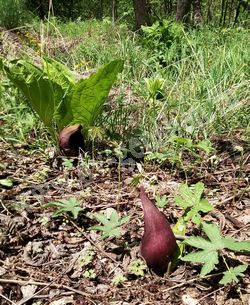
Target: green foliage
point(63, 206)
point(67, 163)
point(165, 38)
point(87, 257)
point(209, 255)
point(13, 14)
point(89, 274)
point(53, 93)
point(90, 94)
point(6, 182)
point(137, 267)
point(118, 279)
point(111, 224)
point(161, 202)
point(192, 202)
point(231, 275)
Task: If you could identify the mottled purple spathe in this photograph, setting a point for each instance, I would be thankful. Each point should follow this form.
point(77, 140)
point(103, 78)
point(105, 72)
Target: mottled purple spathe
point(158, 243)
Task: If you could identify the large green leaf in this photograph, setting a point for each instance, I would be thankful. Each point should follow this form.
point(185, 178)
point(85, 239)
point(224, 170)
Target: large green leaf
point(35, 87)
point(90, 94)
point(63, 83)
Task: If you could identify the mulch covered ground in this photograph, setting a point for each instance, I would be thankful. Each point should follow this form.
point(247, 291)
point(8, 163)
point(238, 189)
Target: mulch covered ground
point(39, 253)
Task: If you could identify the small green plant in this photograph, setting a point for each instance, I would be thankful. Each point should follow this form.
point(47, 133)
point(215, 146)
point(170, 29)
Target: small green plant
point(63, 206)
point(211, 247)
point(137, 267)
point(154, 87)
point(190, 199)
point(231, 275)
point(87, 257)
point(111, 224)
point(161, 201)
point(118, 279)
point(89, 274)
point(67, 163)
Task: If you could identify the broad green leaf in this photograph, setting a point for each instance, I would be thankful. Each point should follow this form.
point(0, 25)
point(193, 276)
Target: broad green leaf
point(114, 217)
point(61, 76)
point(90, 94)
point(213, 233)
point(234, 245)
point(231, 275)
point(35, 86)
point(200, 243)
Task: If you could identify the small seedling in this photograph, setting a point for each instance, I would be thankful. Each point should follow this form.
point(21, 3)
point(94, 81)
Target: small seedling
point(209, 255)
point(118, 279)
point(192, 202)
point(231, 275)
point(161, 201)
point(87, 257)
point(89, 274)
point(111, 225)
point(67, 163)
point(63, 206)
point(137, 267)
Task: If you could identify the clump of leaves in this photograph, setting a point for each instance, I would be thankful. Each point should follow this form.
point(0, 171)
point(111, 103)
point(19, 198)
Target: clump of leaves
point(192, 202)
point(110, 223)
point(63, 206)
point(87, 257)
point(211, 247)
point(89, 274)
point(137, 267)
point(118, 279)
point(56, 96)
point(161, 201)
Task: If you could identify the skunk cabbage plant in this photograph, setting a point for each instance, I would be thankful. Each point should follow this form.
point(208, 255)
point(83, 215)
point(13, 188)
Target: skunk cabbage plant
point(158, 243)
point(58, 98)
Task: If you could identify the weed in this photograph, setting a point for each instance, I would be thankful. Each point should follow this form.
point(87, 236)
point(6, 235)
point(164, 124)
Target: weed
point(137, 267)
point(111, 224)
point(63, 206)
point(209, 255)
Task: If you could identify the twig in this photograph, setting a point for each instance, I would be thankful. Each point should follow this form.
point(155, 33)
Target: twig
point(190, 281)
point(93, 243)
point(46, 285)
point(1, 295)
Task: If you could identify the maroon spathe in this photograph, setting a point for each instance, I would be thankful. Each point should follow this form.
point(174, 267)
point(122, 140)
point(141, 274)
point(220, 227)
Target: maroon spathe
point(158, 243)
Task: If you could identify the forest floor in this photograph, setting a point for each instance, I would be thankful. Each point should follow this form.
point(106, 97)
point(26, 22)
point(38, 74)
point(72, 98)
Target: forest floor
point(39, 258)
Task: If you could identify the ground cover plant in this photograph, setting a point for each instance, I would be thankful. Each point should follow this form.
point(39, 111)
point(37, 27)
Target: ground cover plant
point(175, 122)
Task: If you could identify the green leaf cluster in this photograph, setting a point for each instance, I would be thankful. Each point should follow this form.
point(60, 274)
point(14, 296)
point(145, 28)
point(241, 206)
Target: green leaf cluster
point(56, 96)
point(63, 206)
point(209, 255)
point(111, 225)
point(192, 202)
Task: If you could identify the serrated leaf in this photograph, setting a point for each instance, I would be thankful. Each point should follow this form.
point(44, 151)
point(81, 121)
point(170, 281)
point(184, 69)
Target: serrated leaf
point(231, 275)
point(205, 206)
point(234, 245)
point(200, 256)
point(213, 233)
point(210, 263)
point(200, 242)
